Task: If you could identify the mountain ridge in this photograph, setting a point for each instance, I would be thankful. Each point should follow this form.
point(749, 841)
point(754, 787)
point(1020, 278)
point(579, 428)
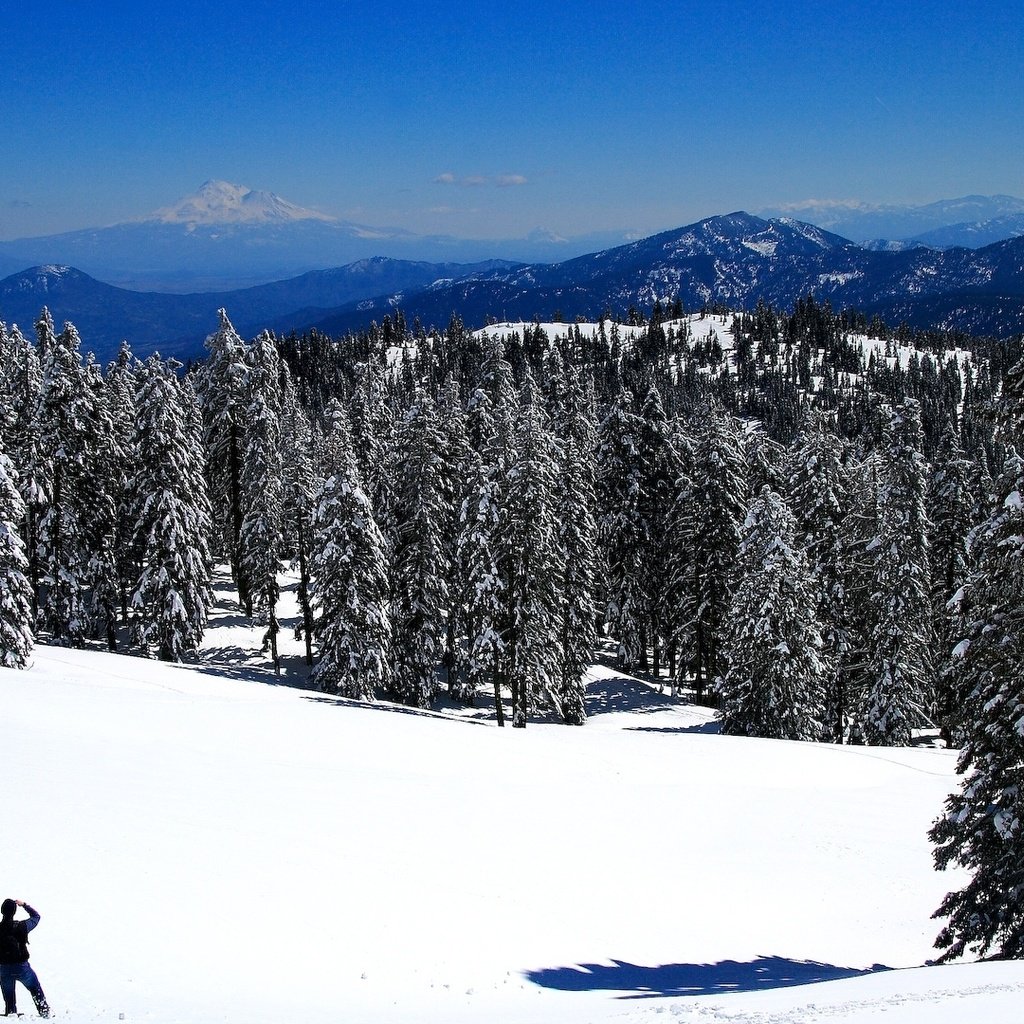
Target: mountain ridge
point(176, 324)
point(227, 236)
point(733, 259)
point(737, 259)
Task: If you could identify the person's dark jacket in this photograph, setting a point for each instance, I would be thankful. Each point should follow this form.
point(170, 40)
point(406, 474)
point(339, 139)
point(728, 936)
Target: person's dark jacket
point(14, 937)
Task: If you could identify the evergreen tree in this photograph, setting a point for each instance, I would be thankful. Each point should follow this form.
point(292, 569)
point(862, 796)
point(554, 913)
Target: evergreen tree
point(223, 395)
point(23, 377)
point(103, 483)
point(16, 618)
point(350, 582)
point(65, 409)
point(660, 467)
point(420, 563)
point(372, 429)
point(299, 486)
point(773, 686)
point(982, 829)
point(899, 642)
point(819, 497)
point(172, 598)
point(951, 510)
point(261, 486)
point(121, 392)
point(482, 574)
point(708, 517)
point(529, 553)
point(455, 462)
point(620, 495)
point(573, 498)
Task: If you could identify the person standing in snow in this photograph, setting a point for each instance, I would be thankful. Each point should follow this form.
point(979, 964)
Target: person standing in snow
point(14, 965)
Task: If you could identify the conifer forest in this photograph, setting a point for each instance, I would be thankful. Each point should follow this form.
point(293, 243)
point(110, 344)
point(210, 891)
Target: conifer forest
point(807, 520)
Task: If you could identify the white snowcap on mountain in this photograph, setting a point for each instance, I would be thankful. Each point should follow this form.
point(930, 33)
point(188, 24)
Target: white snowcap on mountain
point(221, 202)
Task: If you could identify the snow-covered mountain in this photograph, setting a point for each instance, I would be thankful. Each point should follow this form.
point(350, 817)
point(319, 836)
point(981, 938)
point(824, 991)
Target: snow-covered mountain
point(205, 844)
point(220, 202)
point(737, 260)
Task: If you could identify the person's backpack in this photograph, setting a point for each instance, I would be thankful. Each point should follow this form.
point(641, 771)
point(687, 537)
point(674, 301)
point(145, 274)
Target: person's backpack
point(13, 942)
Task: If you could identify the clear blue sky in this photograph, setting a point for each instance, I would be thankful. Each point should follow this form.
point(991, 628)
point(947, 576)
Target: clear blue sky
point(490, 119)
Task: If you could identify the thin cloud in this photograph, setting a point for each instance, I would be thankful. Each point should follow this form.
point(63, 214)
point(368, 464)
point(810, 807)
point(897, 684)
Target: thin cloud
point(480, 180)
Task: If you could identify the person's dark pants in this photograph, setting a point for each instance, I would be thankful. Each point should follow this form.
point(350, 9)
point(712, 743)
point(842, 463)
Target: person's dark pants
point(9, 974)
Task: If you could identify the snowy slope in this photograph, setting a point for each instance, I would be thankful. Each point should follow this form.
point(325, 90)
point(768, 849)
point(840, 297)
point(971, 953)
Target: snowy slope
point(205, 846)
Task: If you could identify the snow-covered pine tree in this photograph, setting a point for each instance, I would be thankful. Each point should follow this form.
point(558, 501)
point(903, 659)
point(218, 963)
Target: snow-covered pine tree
point(299, 485)
point(952, 511)
point(773, 686)
point(765, 462)
point(818, 491)
point(372, 428)
point(223, 395)
point(65, 409)
point(420, 567)
point(16, 619)
point(661, 468)
point(529, 553)
point(120, 391)
point(708, 516)
point(8, 364)
point(619, 489)
point(350, 581)
point(261, 488)
point(574, 502)
point(896, 698)
point(678, 583)
point(24, 381)
point(172, 598)
point(103, 482)
point(483, 581)
point(334, 449)
point(982, 828)
point(456, 459)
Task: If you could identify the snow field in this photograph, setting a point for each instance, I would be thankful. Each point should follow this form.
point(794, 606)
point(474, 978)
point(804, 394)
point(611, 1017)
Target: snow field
point(204, 845)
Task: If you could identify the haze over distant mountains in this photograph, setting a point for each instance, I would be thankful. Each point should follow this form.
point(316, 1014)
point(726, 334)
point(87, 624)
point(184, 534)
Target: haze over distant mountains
point(227, 236)
point(735, 259)
point(971, 221)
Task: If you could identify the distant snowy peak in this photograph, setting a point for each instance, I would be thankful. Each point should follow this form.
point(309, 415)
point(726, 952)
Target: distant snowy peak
point(971, 221)
point(220, 202)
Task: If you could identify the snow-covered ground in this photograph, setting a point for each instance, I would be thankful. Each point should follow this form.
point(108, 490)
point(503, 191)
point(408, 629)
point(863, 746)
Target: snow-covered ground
point(205, 845)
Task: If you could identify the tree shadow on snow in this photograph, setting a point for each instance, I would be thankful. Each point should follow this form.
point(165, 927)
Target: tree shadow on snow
point(610, 694)
point(240, 663)
point(388, 707)
point(638, 982)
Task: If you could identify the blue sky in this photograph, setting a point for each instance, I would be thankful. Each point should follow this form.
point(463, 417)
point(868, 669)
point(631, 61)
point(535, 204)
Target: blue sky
point(491, 119)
